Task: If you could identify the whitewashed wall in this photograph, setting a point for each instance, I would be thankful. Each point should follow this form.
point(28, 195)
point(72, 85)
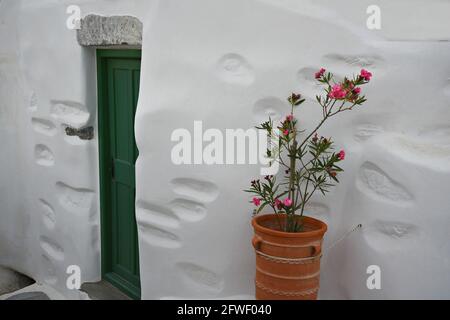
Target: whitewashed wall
point(49, 216)
point(228, 63)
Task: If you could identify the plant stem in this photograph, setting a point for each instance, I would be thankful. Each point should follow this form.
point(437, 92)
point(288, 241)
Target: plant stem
point(292, 173)
point(314, 131)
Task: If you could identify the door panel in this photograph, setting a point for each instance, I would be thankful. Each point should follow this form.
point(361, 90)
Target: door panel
point(118, 94)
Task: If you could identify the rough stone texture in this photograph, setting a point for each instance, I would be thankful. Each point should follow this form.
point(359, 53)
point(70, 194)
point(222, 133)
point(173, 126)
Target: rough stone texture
point(109, 31)
point(86, 133)
point(29, 296)
point(11, 280)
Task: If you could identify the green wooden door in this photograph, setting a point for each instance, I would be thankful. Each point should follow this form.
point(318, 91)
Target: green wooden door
point(118, 79)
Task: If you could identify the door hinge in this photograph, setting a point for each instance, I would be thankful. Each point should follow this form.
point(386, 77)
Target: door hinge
point(86, 133)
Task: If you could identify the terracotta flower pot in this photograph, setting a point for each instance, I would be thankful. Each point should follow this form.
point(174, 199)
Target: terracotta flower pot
point(287, 264)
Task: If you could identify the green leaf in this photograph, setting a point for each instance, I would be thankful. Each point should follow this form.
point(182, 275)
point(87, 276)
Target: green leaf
point(334, 178)
point(261, 207)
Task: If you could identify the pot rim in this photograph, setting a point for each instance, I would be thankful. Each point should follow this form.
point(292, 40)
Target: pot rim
point(322, 227)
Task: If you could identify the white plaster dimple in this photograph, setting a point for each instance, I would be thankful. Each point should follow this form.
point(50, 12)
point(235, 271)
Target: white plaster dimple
point(44, 156)
point(235, 69)
point(48, 216)
point(51, 248)
point(420, 150)
point(75, 200)
point(425, 148)
point(390, 235)
point(158, 237)
point(195, 189)
point(365, 131)
point(271, 107)
point(372, 62)
point(374, 181)
point(43, 126)
point(201, 276)
point(188, 210)
point(438, 134)
point(49, 270)
point(73, 113)
point(149, 213)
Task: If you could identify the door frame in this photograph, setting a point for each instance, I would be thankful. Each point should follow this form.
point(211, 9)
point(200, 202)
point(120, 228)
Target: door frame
point(105, 167)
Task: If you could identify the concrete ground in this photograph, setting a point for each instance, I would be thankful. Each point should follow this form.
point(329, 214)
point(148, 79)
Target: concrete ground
point(11, 281)
point(32, 295)
point(36, 291)
point(103, 291)
point(17, 286)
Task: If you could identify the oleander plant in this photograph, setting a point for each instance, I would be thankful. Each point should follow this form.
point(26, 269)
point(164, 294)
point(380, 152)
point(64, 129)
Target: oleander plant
point(309, 161)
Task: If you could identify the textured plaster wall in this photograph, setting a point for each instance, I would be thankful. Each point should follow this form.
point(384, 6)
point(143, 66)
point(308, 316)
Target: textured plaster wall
point(49, 215)
point(229, 63)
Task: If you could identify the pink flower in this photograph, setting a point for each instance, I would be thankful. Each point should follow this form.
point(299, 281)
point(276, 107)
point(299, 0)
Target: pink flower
point(278, 203)
point(366, 75)
point(319, 73)
point(337, 92)
point(256, 201)
point(289, 118)
point(287, 202)
point(286, 132)
point(341, 155)
point(356, 91)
